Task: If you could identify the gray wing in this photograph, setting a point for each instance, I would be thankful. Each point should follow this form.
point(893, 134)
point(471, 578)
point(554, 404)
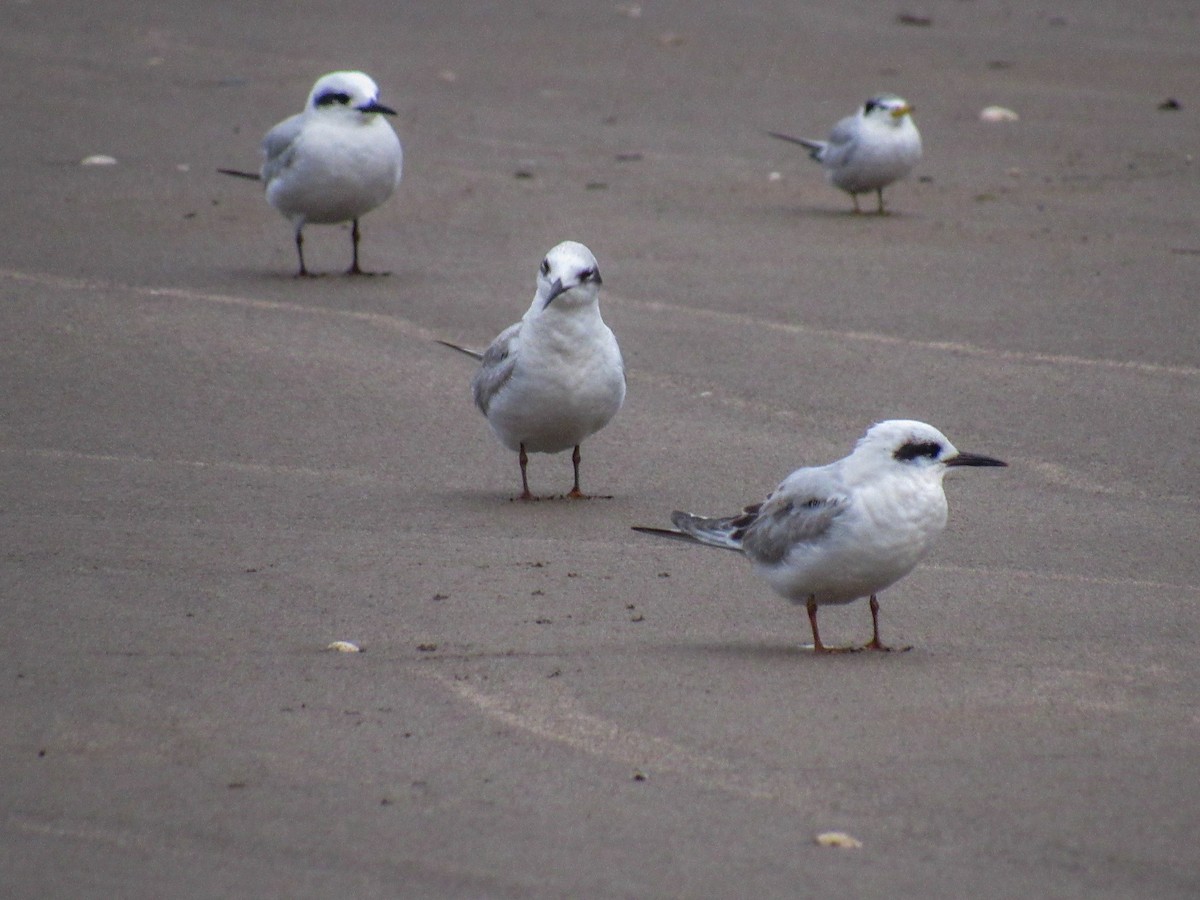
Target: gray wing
point(801, 510)
point(496, 367)
point(277, 146)
point(840, 149)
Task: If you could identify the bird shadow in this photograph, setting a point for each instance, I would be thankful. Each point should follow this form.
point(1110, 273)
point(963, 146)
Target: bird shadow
point(400, 283)
point(557, 498)
point(476, 497)
point(325, 276)
point(758, 650)
point(792, 213)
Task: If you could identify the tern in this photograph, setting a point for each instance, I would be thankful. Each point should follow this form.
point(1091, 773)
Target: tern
point(836, 533)
point(552, 379)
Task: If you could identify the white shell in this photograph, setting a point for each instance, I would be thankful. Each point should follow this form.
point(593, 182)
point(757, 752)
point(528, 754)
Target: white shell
point(997, 114)
point(344, 647)
point(838, 839)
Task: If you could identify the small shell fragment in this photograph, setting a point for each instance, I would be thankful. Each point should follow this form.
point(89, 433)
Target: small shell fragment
point(997, 114)
point(838, 839)
point(344, 647)
point(98, 159)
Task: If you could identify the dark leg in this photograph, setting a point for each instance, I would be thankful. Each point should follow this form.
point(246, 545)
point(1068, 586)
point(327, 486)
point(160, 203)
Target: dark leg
point(576, 494)
point(354, 236)
point(523, 459)
point(303, 273)
point(881, 210)
point(854, 197)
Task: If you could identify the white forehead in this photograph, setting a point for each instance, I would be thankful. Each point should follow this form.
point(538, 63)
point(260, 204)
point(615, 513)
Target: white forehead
point(570, 255)
point(888, 101)
point(897, 432)
point(359, 86)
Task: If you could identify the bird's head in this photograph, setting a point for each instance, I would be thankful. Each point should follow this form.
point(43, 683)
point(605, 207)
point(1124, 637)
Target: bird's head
point(887, 109)
point(568, 276)
point(902, 445)
point(346, 93)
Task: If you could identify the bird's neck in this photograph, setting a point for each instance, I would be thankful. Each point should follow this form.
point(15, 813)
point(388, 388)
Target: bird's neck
point(566, 326)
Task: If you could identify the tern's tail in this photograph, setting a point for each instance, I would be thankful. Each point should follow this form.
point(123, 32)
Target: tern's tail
point(238, 173)
point(722, 532)
point(474, 354)
point(700, 530)
point(816, 149)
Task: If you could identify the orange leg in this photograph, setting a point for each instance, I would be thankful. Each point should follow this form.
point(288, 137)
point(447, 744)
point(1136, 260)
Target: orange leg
point(523, 459)
point(576, 494)
point(877, 644)
point(811, 607)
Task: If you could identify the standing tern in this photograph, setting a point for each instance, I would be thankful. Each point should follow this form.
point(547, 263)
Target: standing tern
point(868, 150)
point(555, 377)
point(334, 162)
point(835, 533)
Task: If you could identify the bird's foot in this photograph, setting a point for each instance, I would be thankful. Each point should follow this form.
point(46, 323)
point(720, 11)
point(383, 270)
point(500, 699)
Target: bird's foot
point(355, 270)
point(577, 494)
point(821, 648)
point(876, 644)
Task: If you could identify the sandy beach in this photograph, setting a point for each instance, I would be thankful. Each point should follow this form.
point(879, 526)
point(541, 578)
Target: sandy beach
point(213, 469)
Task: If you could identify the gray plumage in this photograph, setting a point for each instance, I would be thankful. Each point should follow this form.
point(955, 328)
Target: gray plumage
point(868, 151)
point(279, 146)
point(495, 368)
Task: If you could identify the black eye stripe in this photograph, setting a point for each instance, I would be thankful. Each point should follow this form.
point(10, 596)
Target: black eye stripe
point(545, 267)
point(915, 449)
point(331, 98)
point(870, 105)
